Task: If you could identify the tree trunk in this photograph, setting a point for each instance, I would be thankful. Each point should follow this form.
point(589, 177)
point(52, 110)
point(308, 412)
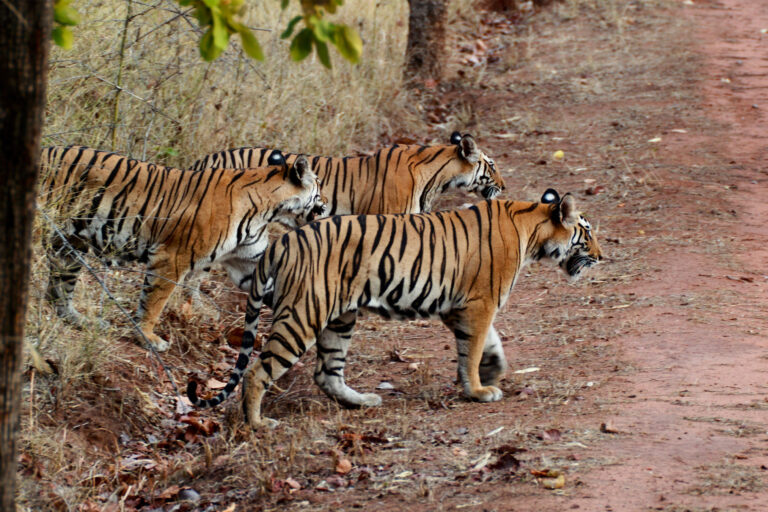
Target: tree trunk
point(426, 39)
point(24, 42)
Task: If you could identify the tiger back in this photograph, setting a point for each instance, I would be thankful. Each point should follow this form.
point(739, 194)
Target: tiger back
point(399, 179)
point(459, 266)
point(173, 220)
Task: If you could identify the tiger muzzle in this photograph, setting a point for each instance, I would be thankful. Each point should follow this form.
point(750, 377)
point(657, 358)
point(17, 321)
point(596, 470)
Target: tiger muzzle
point(575, 264)
point(491, 192)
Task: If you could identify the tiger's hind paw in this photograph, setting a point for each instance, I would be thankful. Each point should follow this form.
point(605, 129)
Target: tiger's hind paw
point(267, 423)
point(159, 343)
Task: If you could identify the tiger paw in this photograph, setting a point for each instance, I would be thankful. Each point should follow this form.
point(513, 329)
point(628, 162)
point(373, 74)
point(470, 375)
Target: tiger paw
point(267, 423)
point(370, 400)
point(487, 394)
point(159, 343)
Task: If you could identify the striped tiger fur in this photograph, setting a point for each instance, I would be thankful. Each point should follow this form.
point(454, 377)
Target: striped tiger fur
point(173, 220)
point(399, 179)
point(456, 265)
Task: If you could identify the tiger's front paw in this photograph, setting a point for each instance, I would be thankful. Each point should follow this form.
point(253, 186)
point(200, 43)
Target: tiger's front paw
point(486, 394)
point(370, 400)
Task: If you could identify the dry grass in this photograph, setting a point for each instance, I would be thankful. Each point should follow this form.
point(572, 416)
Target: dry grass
point(174, 107)
point(728, 477)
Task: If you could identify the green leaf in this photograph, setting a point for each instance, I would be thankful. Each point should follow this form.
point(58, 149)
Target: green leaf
point(66, 15)
point(322, 53)
point(324, 30)
point(284, 4)
point(301, 46)
point(220, 32)
point(208, 50)
point(168, 152)
point(203, 15)
point(348, 43)
point(211, 3)
point(62, 36)
point(250, 44)
point(291, 25)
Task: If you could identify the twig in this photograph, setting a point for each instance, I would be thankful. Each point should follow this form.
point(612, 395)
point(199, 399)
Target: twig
point(149, 104)
point(130, 318)
point(119, 80)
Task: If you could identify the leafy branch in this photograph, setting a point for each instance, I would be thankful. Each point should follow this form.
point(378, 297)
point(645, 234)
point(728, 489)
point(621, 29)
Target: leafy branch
point(223, 18)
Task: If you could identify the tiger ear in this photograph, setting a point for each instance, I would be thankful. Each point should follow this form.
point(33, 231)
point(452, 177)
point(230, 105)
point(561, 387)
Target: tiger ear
point(468, 149)
point(276, 158)
point(568, 213)
point(550, 196)
point(455, 138)
point(301, 174)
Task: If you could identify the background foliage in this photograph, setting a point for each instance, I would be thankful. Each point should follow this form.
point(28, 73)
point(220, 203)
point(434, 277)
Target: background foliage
point(134, 82)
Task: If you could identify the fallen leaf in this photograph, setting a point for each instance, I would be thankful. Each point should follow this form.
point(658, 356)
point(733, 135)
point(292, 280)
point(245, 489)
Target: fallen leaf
point(545, 473)
point(215, 384)
point(551, 435)
point(343, 466)
point(235, 337)
point(553, 483)
point(169, 493)
point(293, 484)
point(593, 191)
point(609, 428)
point(459, 452)
point(385, 385)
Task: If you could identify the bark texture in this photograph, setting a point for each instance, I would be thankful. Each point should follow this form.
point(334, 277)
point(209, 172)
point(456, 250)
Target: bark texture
point(426, 39)
point(24, 43)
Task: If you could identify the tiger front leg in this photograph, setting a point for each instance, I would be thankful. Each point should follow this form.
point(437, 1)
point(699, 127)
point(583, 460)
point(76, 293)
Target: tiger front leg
point(332, 346)
point(159, 283)
point(281, 351)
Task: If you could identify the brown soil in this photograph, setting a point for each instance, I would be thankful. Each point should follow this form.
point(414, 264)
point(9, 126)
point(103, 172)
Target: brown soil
point(652, 385)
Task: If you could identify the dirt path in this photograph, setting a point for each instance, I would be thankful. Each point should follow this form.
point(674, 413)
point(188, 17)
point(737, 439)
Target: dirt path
point(693, 415)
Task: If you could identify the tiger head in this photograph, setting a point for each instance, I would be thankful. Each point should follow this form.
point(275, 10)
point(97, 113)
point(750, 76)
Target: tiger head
point(567, 238)
point(303, 200)
point(478, 173)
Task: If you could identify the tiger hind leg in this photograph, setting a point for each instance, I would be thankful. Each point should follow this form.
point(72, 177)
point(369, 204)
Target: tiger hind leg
point(285, 345)
point(64, 269)
point(332, 346)
point(472, 328)
point(159, 283)
point(493, 363)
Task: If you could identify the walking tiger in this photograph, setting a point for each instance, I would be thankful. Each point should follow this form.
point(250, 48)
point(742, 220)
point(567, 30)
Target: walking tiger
point(399, 179)
point(173, 220)
point(457, 265)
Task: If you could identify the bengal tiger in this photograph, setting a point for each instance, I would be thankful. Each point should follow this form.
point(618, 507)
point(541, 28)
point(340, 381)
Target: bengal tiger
point(456, 265)
point(399, 179)
point(174, 220)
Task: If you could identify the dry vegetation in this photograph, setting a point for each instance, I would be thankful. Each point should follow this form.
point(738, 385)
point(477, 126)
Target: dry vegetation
point(104, 432)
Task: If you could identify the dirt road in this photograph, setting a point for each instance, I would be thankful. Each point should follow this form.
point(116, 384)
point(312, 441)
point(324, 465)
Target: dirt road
point(692, 414)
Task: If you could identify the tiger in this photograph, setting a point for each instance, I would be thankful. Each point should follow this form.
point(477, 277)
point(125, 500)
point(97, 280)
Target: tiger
point(456, 265)
point(398, 179)
point(174, 220)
